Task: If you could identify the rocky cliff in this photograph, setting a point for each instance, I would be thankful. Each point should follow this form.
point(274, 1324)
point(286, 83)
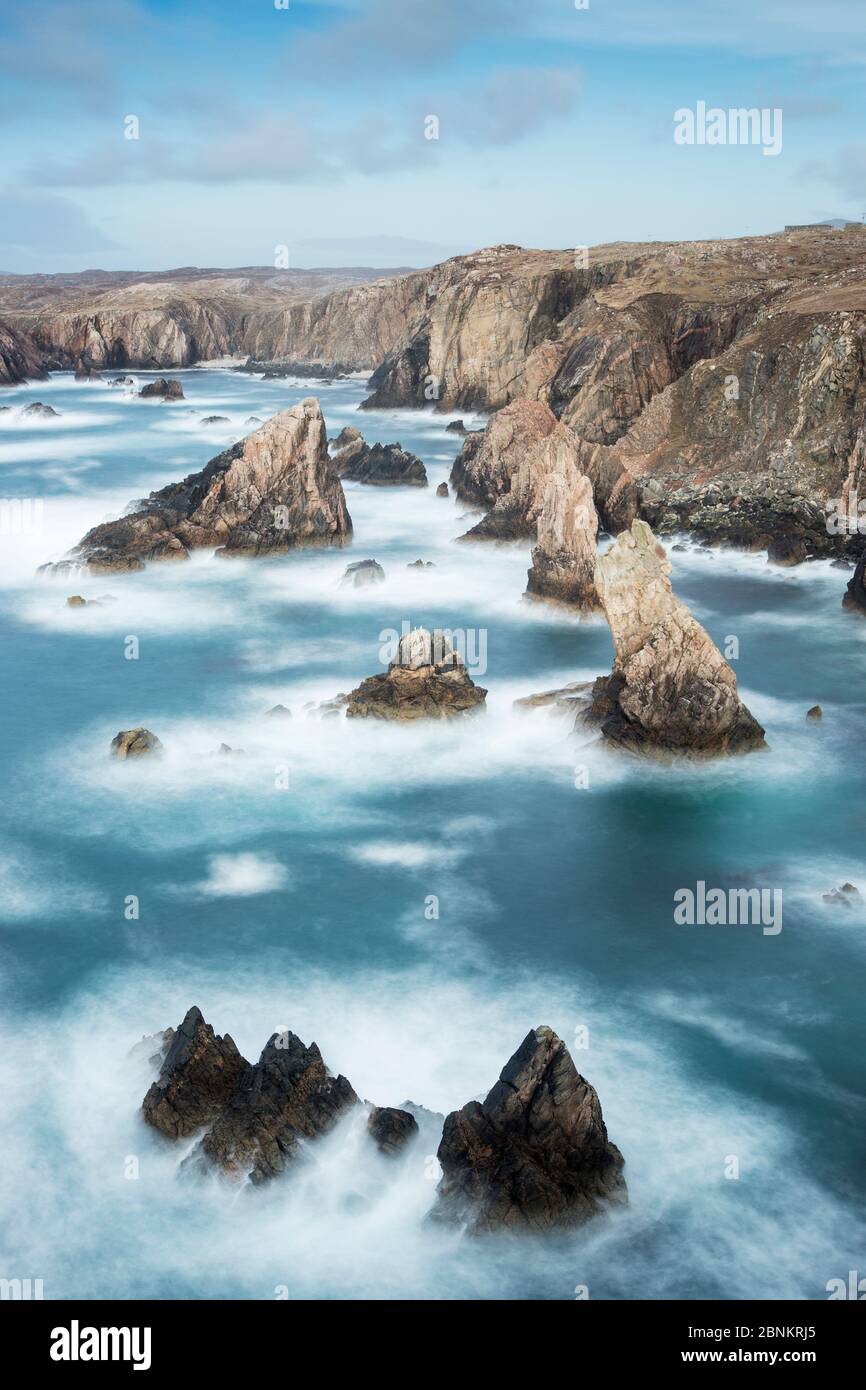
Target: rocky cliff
point(274, 491)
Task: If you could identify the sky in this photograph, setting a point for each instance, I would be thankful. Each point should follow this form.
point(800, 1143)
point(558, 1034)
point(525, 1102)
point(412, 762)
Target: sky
point(398, 132)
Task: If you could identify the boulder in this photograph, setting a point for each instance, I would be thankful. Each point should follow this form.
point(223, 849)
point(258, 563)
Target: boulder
point(379, 465)
point(534, 1155)
point(420, 565)
point(135, 743)
point(163, 389)
point(815, 713)
point(563, 561)
point(671, 690)
point(44, 412)
point(279, 712)
point(274, 491)
point(215, 420)
point(428, 680)
point(362, 573)
point(122, 381)
point(253, 422)
point(455, 427)
point(287, 1097)
point(442, 490)
point(199, 1074)
point(391, 1129)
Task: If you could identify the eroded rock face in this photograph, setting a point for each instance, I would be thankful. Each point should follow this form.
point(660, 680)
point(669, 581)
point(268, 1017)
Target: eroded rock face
point(391, 1129)
point(273, 491)
point(485, 468)
point(563, 561)
point(855, 594)
point(162, 389)
point(198, 1075)
point(428, 680)
point(379, 465)
point(535, 1153)
point(288, 1096)
point(671, 689)
point(135, 743)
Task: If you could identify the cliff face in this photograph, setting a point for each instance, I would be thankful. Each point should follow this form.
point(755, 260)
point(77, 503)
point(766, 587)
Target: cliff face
point(20, 357)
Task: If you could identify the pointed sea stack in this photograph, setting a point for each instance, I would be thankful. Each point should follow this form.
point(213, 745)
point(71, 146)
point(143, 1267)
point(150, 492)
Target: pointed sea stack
point(198, 1075)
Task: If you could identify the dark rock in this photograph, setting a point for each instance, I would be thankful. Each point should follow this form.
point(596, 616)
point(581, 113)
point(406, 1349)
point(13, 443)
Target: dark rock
point(135, 743)
point(288, 1096)
point(378, 465)
point(198, 1076)
point(85, 371)
point(37, 408)
point(787, 549)
point(390, 1129)
point(163, 389)
point(455, 427)
point(815, 712)
point(421, 565)
point(427, 681)
point(855, 594)
point(320, 371)
point(215, 420)
point(362, 573)
point(253, 422)
point(535, 1153)
point(122, 381)
point(442, 490)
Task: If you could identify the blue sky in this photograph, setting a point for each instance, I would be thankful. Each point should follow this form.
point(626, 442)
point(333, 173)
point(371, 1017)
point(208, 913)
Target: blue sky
point(262, 127)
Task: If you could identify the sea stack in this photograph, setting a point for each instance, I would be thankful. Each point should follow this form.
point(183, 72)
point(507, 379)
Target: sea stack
point(671, 690)
point(534, 1155)
point(275, 490)
point(428, 680)
point(563, 561)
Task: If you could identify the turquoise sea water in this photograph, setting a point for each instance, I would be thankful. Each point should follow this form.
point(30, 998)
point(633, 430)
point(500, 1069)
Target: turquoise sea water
point(305, 907)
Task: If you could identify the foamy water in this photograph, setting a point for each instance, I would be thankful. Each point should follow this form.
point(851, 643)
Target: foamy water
point(286, 887)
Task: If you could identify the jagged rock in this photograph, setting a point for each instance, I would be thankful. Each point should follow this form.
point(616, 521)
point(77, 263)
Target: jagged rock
point(122, 381)
point(535, 1153)
point(20, 356)
point(135, 743)
point(252, 422)
point(855, 594)
point(390, 1129)
point(787, 549)
point(442, 490)
point(279, 712)
point(421, 565)
point(288, 1096)
point(380, 465)
point(163, 389)
point(362, 573)
point(569, 698)
point(428, 680)
point(45, 412)
point(841, 897)
point(485, 468)
point(815, 712)
point(455, 427)
point(563, 561)
point(198, 1076)
point(273, 491)
point(215, 420)
point(670, 690)
point(85, 371)
point(548, 448)
point(226, 749)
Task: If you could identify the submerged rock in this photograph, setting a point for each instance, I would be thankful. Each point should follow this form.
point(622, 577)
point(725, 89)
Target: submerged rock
point(390, 1129)
point(380, 465)
point(535, 1153)
point(197, 1078)
point(428, 680)
point(252, 422)
point(278, 712)
point(421, 565)
point(135, 743)
point(361, 573)
point(163, 389)
point(671, 689)
point(215, 420)
point(563, 561)
point(122, 381)
point(568, 698)
point(288, 1096)
point(273, 491)
point(44, 412)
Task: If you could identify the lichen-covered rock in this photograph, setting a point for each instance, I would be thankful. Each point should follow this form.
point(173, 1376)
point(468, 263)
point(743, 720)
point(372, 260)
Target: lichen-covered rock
point(671, 689)
point(391, 1129)
point(273, 491)
point(198, 1075)
point(287, 1097)
point(428, 680)
point(563, 561)
point(534, 1154)
point(135, 743)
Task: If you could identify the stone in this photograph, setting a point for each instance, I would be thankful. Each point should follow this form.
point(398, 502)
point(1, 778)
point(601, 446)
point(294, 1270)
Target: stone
point(198, 1076)
point(455, 427)
point(379, 465)
point(787, 549)
point(484, 470)
point(278, 712)
point(420, 565)
point(274, 491)
point(215, 420)
point(44, 412)
point(442, 490)
point(162, 389)
point(534, 1155)
point(428, 680)
point(855, 594)
point(815, 713)
point(671, 690)
point(563, 561)
point(253, 422)
point(135, 743)
point(362, 573)
point(390, 1129)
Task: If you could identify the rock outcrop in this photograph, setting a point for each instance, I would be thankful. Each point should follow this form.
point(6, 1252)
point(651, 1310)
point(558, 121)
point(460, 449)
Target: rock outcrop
point(274, 491)
point(391, 1129)
point(855, 594)
point(134, 743)
point(442, 490)
point(671, 690)
point(162, 389)
point(428, 680)
point(563, 561)
point(534, 1155)
point(362, 573)
point(198, 1076)
point(485, 468)
point(288, 1096)
point(45, 412)
point(20, 357)
point(380, 465)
